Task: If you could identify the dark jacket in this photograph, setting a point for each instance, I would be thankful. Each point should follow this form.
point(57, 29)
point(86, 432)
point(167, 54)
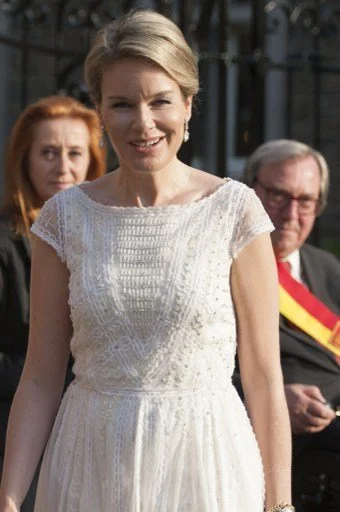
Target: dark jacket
point(15, 270)
point(15, 263)
point(303, 360)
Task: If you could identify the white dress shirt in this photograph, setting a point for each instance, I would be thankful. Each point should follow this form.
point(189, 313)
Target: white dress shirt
point(295, 265)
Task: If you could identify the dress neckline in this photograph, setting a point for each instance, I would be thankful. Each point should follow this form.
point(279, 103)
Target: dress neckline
point(151, 209)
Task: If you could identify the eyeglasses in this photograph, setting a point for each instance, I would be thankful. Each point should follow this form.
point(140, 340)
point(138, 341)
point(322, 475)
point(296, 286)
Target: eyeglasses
point(280, 199)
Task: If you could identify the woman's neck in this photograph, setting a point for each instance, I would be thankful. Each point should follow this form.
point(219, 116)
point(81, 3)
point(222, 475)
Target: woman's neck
point(150, 189)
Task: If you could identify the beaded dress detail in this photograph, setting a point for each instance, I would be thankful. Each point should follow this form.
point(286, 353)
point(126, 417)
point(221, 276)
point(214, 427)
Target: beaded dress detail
point(152, 422)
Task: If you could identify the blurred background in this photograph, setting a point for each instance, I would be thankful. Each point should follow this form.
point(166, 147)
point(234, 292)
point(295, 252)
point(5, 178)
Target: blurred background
point(268, 69)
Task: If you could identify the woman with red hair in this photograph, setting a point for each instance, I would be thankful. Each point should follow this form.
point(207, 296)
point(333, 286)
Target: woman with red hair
point(53, 145)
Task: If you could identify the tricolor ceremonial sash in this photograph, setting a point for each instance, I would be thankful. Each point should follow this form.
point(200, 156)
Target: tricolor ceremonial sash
point(307, 312)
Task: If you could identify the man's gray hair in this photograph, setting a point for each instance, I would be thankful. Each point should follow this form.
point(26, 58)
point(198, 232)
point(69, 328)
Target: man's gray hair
point(277, 151)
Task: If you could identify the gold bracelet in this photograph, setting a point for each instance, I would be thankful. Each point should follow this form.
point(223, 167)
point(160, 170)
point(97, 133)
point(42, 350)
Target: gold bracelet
point(281, 507)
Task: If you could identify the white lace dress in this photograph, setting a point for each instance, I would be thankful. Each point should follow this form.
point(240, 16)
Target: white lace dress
point(152, 422)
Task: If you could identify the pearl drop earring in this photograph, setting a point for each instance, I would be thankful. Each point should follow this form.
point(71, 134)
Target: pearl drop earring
point(186, 133)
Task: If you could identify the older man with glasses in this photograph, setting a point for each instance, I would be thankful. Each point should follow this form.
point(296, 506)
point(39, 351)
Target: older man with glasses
point(291, 179)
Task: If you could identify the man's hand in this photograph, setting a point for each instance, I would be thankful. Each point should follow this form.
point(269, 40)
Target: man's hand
point(308, 409)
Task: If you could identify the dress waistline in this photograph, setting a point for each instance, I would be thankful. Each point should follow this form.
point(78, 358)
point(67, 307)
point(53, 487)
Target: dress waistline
point(155, 392)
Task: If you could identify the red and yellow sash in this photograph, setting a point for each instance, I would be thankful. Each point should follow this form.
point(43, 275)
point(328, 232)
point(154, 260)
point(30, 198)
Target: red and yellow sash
point(307, 312)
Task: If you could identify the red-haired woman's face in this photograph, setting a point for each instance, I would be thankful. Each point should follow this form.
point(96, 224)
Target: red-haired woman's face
point(59, 156)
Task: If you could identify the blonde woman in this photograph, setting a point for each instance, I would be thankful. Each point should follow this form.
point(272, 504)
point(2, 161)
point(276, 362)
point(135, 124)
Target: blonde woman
point(164, 270)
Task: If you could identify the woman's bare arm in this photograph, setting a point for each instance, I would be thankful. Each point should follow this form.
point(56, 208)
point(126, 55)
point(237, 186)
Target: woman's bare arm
point(38, 396)
point(255, 294)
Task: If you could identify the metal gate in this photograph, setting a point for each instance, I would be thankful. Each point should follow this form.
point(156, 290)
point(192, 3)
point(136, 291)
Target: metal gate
point(268, 69)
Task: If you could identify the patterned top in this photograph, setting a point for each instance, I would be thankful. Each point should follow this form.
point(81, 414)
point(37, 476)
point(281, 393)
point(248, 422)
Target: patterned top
point(152, 422)
point(150, 290)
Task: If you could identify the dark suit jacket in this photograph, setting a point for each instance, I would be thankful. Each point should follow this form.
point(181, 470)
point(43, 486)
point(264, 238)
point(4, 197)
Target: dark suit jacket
point(15, 270)
point(303, 360)
point(15, 263)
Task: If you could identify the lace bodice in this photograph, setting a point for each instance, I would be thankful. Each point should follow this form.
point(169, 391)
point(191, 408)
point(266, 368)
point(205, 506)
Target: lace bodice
point(150, 294)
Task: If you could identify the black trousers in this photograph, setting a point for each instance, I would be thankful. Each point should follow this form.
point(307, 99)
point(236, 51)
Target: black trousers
point(316, 470)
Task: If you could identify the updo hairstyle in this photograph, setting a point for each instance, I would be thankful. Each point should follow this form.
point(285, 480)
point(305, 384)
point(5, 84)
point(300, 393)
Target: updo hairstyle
point(147, 35)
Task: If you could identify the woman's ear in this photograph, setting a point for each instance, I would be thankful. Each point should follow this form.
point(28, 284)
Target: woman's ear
point(188, 107)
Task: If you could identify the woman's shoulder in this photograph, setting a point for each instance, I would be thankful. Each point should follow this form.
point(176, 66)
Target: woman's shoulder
point(210, 182)
point(6, 226)
point(97, 187)
point(5, 219)
point(59, 199)
point(8, 237)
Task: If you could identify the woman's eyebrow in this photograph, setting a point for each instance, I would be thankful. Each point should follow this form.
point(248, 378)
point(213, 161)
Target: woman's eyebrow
point(154, 95)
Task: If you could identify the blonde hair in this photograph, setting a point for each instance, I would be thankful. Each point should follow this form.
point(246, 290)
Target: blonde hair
point(147, 35)
point(20, 200)
point(277, 151)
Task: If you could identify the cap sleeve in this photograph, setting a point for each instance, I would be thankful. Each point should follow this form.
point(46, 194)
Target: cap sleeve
point(251, 221)
point(49, 225)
